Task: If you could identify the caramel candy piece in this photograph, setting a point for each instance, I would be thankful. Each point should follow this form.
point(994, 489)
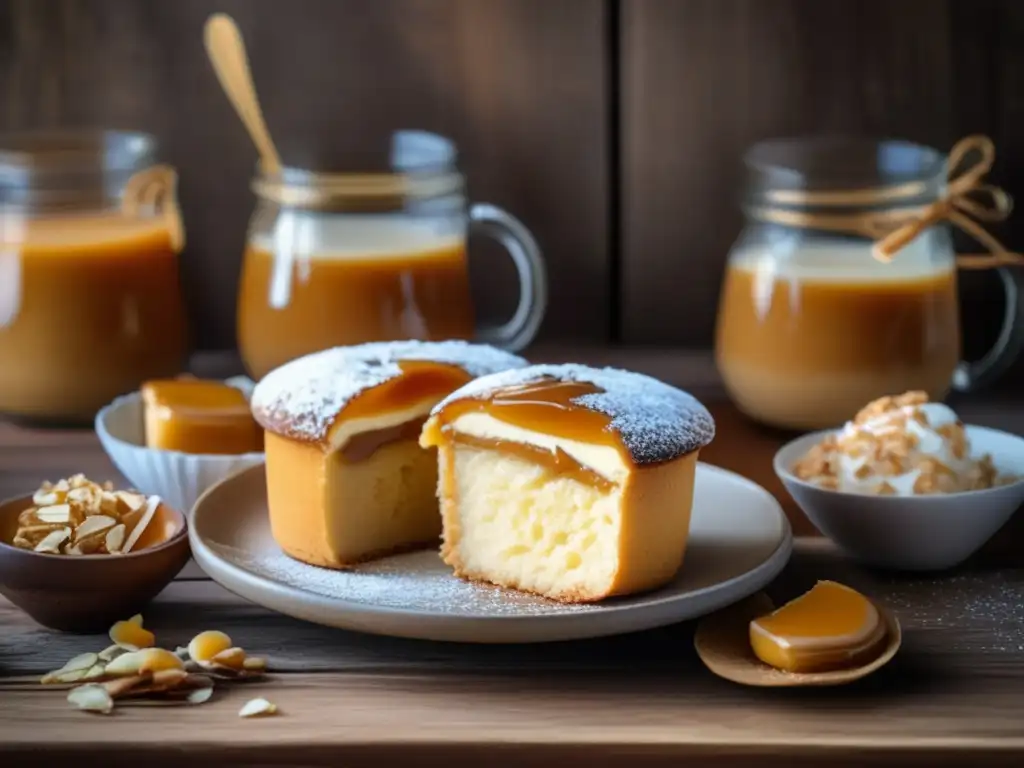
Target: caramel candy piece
point(829, 627)
point(197, 416)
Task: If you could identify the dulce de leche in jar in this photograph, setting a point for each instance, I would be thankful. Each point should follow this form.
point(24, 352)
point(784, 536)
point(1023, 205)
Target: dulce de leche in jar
point(377, 252)
point(90, 299)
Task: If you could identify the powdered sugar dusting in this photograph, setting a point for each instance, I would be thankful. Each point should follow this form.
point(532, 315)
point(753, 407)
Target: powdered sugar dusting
point(418, 581)
point(302, 398)
point(655, 421)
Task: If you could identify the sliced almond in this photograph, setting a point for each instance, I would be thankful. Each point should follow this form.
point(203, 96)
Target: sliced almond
point(81, 661)
point(131, 636)
point(55, 513)
point(74, 549)
point(199, 695)
point(257, 708)
point(52, 541)
point(109, 504)
point(44, 498)
point(254, 664)
point(93, 525)
point(125, 685)
point(81, 495)
point(133, 502)
point(90, 545)
point(115, 538)
point(155, 660)
point(169, 678)
point(232, 658)
point(147, 517)
point(75, 669)
point(91, 698)
point(95, 672)
point(206, 645)
point(125, 665)
point(111, 652)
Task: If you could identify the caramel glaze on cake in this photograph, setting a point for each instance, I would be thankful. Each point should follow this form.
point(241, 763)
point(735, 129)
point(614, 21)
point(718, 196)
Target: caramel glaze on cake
point(570, 482)
point(346, 478)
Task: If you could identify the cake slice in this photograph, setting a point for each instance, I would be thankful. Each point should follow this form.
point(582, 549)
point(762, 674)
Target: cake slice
point(570, 482)
point(346, 478)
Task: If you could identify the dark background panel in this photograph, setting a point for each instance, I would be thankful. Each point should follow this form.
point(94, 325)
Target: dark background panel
point(702, 80)
point(521, 85)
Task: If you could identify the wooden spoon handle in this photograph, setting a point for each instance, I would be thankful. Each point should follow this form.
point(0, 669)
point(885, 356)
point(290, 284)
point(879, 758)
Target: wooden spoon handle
point(226, 50)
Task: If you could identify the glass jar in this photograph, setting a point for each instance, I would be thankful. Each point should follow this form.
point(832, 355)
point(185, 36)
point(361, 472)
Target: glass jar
point(811, 326)
point(374, 255)
point(90, 300)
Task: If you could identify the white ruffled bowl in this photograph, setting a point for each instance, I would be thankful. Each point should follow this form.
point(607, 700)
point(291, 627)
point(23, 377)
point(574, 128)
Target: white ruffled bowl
point(178, 478)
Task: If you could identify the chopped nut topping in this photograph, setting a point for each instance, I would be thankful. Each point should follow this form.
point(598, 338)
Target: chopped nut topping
point(884, 441)
point(80, 517)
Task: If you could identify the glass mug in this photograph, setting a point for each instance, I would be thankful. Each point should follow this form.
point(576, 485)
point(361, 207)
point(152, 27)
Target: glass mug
point(338, 259)
point(90, 300)
point(811, 326)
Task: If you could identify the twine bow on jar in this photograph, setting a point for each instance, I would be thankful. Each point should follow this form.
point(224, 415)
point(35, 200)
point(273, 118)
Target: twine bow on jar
point(154, 191)
point(966, 201)
point(893, 223)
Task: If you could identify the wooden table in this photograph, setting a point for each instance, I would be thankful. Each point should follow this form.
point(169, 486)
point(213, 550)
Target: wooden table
point(954, 695)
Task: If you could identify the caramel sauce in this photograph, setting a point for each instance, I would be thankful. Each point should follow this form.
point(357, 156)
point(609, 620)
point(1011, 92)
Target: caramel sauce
point(557, 462)
point(421, 380)
point(801, 352)
point(544, 406)
point(196, 416)
point(363, 445)
point(90, 307)
point(336, 300)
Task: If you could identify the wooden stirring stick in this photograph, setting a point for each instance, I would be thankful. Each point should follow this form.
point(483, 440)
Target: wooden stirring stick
point(226, 50)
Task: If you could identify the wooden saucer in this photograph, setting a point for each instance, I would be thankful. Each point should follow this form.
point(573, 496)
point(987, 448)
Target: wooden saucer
point(723, 644)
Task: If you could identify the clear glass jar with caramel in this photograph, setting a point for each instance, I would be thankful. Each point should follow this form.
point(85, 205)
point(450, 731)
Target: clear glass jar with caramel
point(90, 299)
point(812, 325)
point(377, 253)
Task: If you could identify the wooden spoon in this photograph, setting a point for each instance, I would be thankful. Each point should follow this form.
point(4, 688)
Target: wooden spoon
point(723, 644)
point(226, 50)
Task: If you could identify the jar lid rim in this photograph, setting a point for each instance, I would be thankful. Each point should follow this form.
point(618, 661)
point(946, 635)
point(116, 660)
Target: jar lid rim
point(64, 150)
point(838, 161)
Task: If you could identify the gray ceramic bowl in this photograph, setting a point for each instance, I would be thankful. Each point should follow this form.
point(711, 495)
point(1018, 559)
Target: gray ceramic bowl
point(917, 533)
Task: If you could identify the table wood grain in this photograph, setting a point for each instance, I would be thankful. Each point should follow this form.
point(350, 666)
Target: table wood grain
point(953, 696)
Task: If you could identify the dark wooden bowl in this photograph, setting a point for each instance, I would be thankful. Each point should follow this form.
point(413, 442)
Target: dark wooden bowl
point(88, 593)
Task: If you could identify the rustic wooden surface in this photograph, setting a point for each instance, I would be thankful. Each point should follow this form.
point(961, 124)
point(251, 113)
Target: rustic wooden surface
point(952, 697)
point(518, 84)
point(702, 80)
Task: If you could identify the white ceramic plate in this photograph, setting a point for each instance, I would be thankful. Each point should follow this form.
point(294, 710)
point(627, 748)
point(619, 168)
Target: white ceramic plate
point(739, 540)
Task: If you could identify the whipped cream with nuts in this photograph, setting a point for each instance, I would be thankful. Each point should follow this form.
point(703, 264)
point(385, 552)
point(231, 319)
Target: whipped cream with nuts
point(899, 446)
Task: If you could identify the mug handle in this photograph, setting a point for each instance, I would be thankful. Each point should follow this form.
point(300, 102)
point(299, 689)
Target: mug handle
point(521, 329)
point(971, 376)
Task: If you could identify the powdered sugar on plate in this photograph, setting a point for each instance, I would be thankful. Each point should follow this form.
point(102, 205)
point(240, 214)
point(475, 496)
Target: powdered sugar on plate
point(302, 398)
point(417, 581)
point(655, 421)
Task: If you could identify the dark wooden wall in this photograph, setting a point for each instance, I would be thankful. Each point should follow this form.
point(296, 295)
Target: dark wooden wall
point(612, 127)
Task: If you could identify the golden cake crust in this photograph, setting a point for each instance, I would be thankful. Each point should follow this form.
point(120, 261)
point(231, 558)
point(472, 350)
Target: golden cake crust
point(655, 421)
point(302, 399)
